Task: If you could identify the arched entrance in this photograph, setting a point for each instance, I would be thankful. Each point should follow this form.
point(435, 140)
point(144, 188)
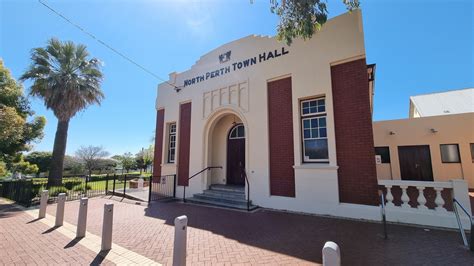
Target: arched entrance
point(236, 155)
point(226, 145)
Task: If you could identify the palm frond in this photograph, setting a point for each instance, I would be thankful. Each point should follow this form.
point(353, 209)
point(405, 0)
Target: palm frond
point(65, 78)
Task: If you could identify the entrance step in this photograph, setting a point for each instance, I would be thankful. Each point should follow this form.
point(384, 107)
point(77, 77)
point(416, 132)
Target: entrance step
point(227, 188)
point(223, 196)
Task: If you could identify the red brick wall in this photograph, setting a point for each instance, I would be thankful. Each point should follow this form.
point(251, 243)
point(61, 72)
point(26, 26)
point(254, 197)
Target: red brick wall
point(184, 139)
point(280, 126)
point(354, 136)
point(157, 160)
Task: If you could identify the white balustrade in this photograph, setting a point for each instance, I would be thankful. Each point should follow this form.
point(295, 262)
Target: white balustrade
point(420, 213)
point(421, 199)
point(405, 199)
point(439, 200)
point(389, 196)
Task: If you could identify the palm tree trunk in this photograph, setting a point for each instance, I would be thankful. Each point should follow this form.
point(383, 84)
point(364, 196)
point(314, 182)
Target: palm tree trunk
point(59, 150)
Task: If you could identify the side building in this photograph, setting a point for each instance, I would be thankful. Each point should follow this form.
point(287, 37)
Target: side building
point(436, 142)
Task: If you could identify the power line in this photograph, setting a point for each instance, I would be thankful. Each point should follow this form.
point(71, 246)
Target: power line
point(106, 45)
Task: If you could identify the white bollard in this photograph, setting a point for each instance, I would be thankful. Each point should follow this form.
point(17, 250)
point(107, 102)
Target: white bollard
point(331, 254)
point(82, 218)
point(60, 209)
point(140, 183)
point(107, 226)
point(43, 204)
point(179, 251)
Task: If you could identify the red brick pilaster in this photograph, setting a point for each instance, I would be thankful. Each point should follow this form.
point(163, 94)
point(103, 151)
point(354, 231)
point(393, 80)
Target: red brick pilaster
point(184, 142)
point(354, 136)
point(280, 126)
point(159, 130)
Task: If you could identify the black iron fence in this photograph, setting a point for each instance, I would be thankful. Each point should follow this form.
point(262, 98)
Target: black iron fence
point(27, 192)
point(162, 187)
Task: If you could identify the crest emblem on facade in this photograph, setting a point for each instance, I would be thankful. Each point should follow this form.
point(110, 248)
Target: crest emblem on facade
point(224, 57)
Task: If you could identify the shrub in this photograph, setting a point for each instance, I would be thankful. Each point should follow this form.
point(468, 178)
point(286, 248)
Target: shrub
point(71, 183)
point(55, 191)
point(36, 190)
point(81, 187)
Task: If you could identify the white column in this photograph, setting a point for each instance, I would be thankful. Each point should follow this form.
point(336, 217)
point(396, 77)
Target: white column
point(60, 209)
point(389, 196)
point(82, 218)
point(107, 224)
point(331, 254)
point(180, 232)
point(43, 204)
point(405, 198)
point(421, 199)
point(439, 200)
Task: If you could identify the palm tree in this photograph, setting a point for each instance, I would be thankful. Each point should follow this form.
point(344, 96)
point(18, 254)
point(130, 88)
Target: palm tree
point(68, 82)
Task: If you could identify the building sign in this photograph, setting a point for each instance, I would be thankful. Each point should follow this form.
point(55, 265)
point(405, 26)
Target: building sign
point(225, 57)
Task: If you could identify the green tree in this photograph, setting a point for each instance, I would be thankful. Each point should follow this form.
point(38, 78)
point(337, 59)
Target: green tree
point(41, 158)
point(106, 164)
point(302, 18)
point(19, 165)
point(3, 169)
point(144, 158)
point(16, 133)
point(127, 161)
point(68, 82)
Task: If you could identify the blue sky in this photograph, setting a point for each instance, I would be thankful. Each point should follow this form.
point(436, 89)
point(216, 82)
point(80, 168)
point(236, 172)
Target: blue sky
point(419, 46)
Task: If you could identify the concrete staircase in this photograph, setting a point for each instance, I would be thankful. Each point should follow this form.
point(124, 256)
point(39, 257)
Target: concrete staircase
point(223, 196)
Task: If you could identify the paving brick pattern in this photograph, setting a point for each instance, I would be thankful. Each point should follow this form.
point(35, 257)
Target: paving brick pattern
point(26, 241)
point(218, 236)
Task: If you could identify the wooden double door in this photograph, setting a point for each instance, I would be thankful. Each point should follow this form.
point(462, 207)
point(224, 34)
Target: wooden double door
point(415, 163)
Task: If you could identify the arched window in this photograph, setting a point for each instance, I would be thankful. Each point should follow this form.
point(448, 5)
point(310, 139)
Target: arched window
point(237, 132)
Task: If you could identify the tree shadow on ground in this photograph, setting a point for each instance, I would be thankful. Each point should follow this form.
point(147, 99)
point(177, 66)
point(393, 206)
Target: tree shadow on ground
point(303, 236)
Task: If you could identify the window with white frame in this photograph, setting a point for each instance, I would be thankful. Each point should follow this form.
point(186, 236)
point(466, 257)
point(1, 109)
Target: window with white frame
point(314, 130)
point(171, 142)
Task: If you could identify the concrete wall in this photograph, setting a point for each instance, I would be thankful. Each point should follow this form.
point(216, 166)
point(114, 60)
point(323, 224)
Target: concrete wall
point(243, 92)
point(451, 129)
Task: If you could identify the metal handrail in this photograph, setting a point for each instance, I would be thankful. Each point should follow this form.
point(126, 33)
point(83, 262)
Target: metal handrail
point(466, 212)
point(205, 169)
point(248, 189)
point(461, 229)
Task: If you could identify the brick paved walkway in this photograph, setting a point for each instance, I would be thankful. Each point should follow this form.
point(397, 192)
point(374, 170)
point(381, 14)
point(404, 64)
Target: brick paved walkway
point(26, 241)
point(218, 236)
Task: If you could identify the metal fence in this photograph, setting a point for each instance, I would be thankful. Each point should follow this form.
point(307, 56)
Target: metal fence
point(27, 192)
point(162, 187)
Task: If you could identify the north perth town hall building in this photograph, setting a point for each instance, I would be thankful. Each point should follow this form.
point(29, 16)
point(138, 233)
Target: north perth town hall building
point(297, 119)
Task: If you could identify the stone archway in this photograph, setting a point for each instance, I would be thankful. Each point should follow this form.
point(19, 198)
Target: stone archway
point(216, 134)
